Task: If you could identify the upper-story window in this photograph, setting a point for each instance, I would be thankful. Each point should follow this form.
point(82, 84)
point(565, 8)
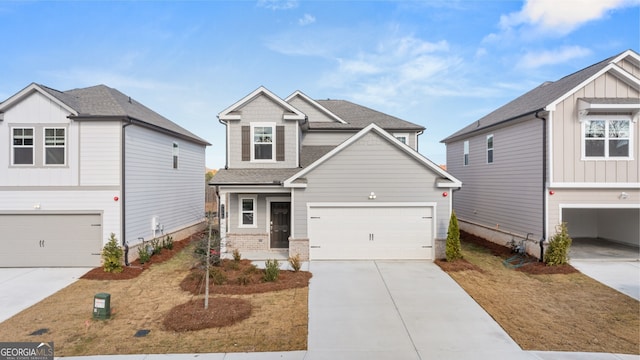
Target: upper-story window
point(466, 153)
point(22, 146)
point(402, 137)
point(607, 137)
point(175, 152)
point(54, 146)
point(263, 136)
point(490, 149)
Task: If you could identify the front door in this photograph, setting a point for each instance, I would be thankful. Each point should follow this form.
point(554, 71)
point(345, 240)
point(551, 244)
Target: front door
point(280, 222)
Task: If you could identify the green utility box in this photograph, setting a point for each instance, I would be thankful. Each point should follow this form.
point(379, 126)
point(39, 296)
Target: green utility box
point(102, 306)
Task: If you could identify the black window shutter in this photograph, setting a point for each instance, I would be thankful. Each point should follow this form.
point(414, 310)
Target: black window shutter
point(279, 143)
point(246, 143)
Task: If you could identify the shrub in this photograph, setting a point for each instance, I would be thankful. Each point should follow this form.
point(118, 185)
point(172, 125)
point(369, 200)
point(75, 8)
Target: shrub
point(251, 269)
point(236, 255)
point(271, 270)
point(167, 242)
point(295, 262)
point(244, 279)
point(453, 250)
point(156, 247)
point(202, 249)
point(112, 256)
point(143, 253)
point(217, 276)
point(558, 250)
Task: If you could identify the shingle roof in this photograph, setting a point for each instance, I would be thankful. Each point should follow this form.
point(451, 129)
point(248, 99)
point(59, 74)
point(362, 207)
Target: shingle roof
point(534, 100)
point(103, 101)
point(358, 117)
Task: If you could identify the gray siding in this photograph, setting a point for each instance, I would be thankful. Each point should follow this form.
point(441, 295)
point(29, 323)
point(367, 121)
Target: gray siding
point(312, 112)
point(507, 193)
point(371, 164)
point(155, 188)
point(324, 138)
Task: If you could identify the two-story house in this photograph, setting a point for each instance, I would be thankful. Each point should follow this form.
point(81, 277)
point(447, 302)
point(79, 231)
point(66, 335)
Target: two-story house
point(327, 179)
point(78, 165)
point(566, 151)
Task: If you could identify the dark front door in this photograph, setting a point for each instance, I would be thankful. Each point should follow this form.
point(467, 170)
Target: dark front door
point(280, 222)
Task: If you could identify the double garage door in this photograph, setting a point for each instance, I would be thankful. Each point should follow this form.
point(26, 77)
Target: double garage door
point(50, 240)
point(370, 232)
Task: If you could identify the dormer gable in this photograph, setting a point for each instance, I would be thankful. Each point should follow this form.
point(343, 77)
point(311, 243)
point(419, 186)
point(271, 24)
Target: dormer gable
point(313, 109)
point(29, 90)
point(234, 112)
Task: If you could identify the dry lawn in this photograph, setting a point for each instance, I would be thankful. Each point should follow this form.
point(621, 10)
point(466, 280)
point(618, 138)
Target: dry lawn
point(551, 312)
point(278, 320)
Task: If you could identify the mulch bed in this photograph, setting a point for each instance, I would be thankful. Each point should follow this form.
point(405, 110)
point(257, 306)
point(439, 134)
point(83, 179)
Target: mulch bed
point(135, 268)
point(457, 265)
point(221, 311)
point(242, 278)
point(533, 266)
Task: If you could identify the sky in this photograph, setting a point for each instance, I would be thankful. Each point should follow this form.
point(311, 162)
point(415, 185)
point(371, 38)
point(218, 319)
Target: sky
point(439, 63)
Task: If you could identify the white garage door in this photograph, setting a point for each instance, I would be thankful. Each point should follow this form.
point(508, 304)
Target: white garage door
point(364, 232)
point(48, 240)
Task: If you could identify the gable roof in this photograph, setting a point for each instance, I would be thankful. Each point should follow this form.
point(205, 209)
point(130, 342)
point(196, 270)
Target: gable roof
point(548, 94)
point(103, 102)
point(358, 117)
point(447, 181)
point(234, 111)
point(315, 104)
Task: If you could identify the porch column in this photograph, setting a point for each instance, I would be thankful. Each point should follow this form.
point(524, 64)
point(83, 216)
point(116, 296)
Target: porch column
point(222, 216)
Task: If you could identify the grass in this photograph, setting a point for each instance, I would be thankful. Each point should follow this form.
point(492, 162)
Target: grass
point(551, 312)
point(278, 320)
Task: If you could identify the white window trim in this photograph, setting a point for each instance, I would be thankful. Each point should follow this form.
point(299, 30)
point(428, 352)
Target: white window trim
point(45, 146)
point(606, 118)
point(175, 155)
point(33, 147)
point(273, 143)
point(493, 146)
point(254, 198)
point(402, 135)
point(465, 153)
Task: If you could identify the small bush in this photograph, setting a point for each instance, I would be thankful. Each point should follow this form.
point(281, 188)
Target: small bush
point(217, 276)
point(295, 262)
point(236, 255)
point(156, 247)
point(271, 270)
point(558, 251)
point(167, 242)
point(453, 250)
point(143, 253)
point(251, 269)
point(201, 251)
point(230, 265)
point(244, 280)
point(112, 256)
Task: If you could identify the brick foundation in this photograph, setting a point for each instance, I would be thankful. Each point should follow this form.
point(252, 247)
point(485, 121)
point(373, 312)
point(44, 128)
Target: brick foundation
point(299, 247)
point(247, 242)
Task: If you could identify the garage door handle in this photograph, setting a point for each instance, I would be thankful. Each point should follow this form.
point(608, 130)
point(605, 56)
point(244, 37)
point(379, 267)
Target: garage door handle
point(315, 246)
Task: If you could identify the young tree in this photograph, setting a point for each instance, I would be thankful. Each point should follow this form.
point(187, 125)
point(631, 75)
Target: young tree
point(112, 256)
point(453, 250)
point(558, 250)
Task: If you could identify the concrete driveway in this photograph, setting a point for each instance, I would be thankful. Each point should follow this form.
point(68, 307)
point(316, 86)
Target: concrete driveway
point(22, 287)
point(623, 276)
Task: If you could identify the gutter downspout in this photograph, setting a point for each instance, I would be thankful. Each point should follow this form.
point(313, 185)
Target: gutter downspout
point(544, 185)
point(226, 145)
point(123, 197)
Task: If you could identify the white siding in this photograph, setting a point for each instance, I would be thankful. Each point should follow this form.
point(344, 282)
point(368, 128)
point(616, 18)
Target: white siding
point(155, 189)
point(371, 164)
point(100, 153)
point(508, 193)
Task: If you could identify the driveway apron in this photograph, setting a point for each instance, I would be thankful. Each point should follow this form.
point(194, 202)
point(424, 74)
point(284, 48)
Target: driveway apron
point(398, 310)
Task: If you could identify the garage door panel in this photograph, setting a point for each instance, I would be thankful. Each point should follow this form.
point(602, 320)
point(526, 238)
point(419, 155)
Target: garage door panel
point(370, 232)
point(43, 240)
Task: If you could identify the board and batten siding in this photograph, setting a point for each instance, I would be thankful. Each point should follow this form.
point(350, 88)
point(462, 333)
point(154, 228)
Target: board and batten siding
point(100, 152)
point(507, 193)
point(568, 166)
point(155, 189)
point(371, 164)
point(262, 109)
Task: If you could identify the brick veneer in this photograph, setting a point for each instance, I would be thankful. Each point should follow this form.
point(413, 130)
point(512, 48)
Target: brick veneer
point(247, 242)
point(299, 247)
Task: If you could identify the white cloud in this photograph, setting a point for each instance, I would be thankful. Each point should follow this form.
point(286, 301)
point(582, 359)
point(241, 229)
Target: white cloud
point(278, 4)
point(536, 59)
point(561, 16)
point(306, 20)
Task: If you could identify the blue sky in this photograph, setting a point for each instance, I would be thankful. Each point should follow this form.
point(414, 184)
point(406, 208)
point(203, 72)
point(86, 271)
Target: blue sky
point(438, 63)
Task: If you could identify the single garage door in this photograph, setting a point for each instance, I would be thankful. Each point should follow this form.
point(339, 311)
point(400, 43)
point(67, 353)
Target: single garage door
point(365, 232)
point(48, 240)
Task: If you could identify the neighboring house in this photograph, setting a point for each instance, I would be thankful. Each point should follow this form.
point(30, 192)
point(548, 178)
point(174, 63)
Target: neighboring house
point(328, 179)
point(566, 151)
point(78, 165)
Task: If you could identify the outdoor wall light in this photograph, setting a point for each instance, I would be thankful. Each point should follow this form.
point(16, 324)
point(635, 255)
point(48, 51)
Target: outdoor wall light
point(372, 196)
point(623, 196)
point(37, 206)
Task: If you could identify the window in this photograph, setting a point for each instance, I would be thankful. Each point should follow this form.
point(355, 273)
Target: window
point(466, 153)
point(22, 146)
point(54, 146)
point(403, 138)
point(175, 155)
point(607, 137)
point(247, 212)
point(489, 149)
point(263, 142)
